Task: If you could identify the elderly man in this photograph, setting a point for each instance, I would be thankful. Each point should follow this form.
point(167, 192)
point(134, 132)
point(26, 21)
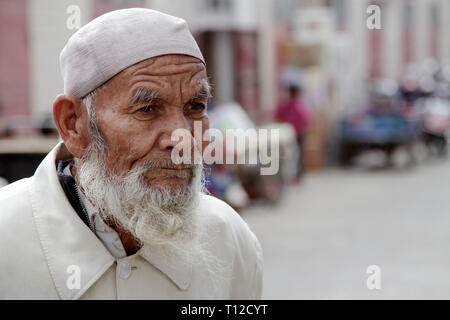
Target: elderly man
point(108, 214)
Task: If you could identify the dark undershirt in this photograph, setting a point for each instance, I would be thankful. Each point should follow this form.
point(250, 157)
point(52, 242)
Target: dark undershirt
point(68, 184)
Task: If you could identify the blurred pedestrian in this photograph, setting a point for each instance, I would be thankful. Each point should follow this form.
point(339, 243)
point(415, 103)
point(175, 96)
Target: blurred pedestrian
point(294, 111)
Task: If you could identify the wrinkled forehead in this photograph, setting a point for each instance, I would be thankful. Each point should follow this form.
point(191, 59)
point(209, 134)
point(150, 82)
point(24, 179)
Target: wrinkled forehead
point(165, 76)
point(167, 64)
point(174, 69)
point(170, 64)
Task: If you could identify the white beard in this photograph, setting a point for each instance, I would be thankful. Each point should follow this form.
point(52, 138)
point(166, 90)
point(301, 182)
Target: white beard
point(159, 217)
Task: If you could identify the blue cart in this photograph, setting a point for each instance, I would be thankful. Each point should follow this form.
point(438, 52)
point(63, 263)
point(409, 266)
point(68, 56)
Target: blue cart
point(376, 131)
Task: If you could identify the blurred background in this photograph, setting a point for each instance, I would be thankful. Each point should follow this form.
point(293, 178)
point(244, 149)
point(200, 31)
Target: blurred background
point(360, 95)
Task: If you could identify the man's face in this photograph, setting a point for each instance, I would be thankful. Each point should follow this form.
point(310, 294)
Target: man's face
point(141, 107)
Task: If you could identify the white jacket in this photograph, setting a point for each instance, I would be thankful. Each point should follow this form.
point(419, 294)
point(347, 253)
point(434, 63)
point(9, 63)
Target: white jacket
point(44, 246)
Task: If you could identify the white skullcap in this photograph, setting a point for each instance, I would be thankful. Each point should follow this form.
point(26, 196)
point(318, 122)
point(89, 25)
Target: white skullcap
point(118, 39)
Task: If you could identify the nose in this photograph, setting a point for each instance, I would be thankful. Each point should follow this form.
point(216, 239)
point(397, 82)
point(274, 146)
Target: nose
point(176, 121)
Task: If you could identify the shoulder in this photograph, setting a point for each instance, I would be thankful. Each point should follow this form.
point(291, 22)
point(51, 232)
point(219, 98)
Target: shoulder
point(26, 275)
point(16, 218)
point(14, 198)
point(220, 215)
point(230, 236)
point(18, 186)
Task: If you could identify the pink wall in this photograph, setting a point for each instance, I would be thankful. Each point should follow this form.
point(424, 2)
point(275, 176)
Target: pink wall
point(14, 64)
point(246, 82)
point(375, 48)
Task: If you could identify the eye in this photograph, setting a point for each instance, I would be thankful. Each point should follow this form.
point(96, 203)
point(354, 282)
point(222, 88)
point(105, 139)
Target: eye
point(147, 112)
point(197, 106)
point(146, 109)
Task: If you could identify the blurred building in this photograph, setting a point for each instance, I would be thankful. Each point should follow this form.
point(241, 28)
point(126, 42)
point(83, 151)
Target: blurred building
point(230, 33)
point(252, 48)
point(336, 56)
point(237, 39)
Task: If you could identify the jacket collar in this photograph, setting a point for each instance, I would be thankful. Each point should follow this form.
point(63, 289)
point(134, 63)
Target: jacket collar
point(172, 266)
point(66, 241)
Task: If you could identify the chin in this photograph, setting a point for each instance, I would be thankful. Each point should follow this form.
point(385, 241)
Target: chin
point(170, 183)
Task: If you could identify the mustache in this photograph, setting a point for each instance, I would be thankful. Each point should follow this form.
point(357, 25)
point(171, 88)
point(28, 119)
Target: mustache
point(165, 164)
point(182, 171)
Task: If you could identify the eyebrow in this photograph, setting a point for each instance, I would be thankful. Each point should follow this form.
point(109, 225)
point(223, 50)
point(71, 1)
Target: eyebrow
point(145, 96)
point(204, 92)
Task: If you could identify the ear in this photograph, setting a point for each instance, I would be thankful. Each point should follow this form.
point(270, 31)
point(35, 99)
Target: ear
point(70, 117)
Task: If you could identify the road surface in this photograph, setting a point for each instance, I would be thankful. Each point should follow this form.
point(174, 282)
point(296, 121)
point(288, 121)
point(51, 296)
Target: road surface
point(320, 240)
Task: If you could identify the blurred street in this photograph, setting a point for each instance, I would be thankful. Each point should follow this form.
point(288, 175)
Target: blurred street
point(323, 235)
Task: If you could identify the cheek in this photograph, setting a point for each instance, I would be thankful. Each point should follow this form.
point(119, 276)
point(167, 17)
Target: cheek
point(127, 142)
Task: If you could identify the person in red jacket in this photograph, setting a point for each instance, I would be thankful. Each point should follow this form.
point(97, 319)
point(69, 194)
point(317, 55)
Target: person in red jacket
point(295, 112)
